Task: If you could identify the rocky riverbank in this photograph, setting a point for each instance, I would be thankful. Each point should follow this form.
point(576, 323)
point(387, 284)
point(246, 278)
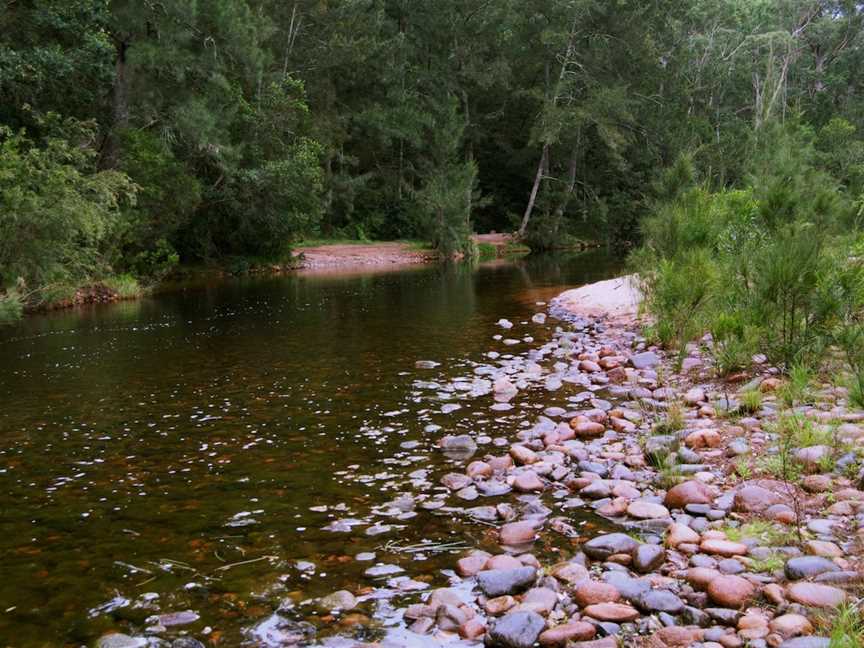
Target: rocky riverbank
point(715, 537)
point(704, 558)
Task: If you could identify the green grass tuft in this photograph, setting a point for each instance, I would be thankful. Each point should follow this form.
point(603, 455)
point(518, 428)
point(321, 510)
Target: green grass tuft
point(486, 251)
point(751, 401)
point(844, 625)
point(126, 286)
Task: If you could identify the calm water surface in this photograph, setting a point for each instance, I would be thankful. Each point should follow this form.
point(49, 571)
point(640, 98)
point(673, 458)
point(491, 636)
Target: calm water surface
point(185, 452)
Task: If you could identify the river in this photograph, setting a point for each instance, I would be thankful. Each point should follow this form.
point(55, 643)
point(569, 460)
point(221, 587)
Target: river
point(190, 452)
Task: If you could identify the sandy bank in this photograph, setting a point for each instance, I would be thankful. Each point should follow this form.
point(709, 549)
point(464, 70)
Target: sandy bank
point(615, 298)
point(356, 256)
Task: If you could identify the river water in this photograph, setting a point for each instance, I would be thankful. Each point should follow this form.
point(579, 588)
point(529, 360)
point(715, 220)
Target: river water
point(220, 451)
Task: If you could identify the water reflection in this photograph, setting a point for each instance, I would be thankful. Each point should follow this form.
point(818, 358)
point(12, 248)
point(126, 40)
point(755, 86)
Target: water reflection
point(186, 451)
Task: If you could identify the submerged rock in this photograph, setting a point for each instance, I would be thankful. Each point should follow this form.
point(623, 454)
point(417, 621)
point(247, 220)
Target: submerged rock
point(341, 600)
point(119, 640)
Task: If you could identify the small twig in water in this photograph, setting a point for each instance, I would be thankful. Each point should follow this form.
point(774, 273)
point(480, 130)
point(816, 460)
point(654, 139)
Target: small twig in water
point(132, 568)
point(420, 548)
point(244, 562)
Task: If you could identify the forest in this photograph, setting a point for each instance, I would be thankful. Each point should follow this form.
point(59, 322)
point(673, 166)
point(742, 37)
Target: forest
point(140, 136)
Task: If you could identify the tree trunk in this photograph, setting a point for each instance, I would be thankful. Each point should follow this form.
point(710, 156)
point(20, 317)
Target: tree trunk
point(469, 158)
point(571, 182)
point(120, 107)
point(537, 178)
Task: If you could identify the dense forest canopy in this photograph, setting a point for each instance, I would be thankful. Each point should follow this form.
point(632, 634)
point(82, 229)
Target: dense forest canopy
point(139, 134)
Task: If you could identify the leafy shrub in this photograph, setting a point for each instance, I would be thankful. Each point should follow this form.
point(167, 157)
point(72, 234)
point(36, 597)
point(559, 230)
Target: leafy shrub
point(157, 262)
point(769, 268)
point(11, 307)
point(58, 214)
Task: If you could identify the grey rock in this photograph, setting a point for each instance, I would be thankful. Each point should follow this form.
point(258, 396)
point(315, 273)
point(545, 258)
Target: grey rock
point(498, 582)
point(597, 489)
point(808, 567)
point(459, 443)
point(186, 642)
point(516, 630)
point(647, 558)
point(645, 360)
point(594, 467)
point(601, 547)
point(806, 642)
point(630, 588)
point(659, 600)
point(730, 566)
point(737, 448)
point(686, 455)
point(697, 509)
point(840, 577)
point(493, 488)
point(118, 640)
point(724, 615)
point(341, 600)
point(821, 527)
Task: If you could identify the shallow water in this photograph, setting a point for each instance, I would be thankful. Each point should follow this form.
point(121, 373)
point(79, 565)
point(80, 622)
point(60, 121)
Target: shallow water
point(185, 452)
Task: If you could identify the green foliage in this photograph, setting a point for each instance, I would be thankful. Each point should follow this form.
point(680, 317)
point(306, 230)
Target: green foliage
point(780, 466)
point(58, 214)
point(767, 533)
point(449, 186)
point(770, 262)
point(801, 431)
point(796, 389)
point(11, 307)
point(672, 421)
point(771, 563)
point(246, 125)
point(743, 468)
point(679, 302)
point(167, 199)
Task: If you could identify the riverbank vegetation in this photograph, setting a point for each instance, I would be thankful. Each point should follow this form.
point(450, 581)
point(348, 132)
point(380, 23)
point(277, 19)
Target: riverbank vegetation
point(772, 266)
point(139, 136)
point(761, 249)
